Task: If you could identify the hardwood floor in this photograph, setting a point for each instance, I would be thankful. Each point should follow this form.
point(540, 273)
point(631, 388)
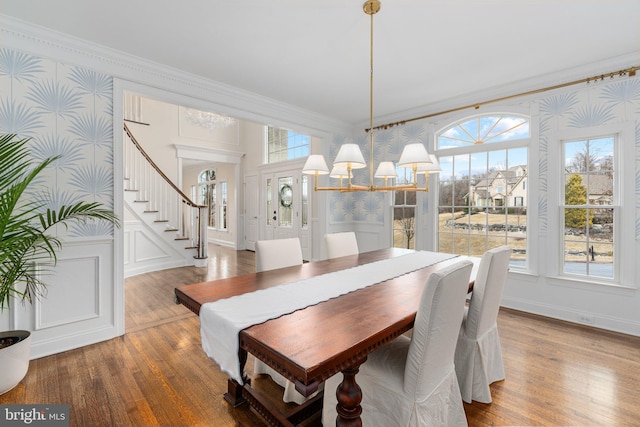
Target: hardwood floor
point(558, 374)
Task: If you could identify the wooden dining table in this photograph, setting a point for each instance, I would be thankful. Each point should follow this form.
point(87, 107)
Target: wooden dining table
point(312, 344)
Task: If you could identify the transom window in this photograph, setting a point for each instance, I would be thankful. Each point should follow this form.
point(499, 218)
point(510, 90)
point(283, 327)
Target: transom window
point(482, 194)
point(484, 130)
point(284, 144)
point(589, 207)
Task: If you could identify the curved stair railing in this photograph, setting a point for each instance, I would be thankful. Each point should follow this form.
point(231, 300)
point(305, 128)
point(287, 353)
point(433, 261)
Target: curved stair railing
point(181, 215)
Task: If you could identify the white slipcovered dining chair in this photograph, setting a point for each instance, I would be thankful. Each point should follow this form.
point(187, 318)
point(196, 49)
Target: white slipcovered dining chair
point(270, 255)
point(478, 353)
point(341, 244)
point(412, 382)
point(278, 253)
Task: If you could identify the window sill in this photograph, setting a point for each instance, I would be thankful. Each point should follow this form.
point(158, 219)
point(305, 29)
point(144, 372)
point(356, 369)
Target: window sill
point(590, 283)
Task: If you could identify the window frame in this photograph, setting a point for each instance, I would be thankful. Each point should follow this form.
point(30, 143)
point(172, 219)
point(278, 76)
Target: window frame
point(626, 240)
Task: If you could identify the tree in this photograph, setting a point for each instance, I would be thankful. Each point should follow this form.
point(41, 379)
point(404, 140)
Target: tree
point(455, 192)
point(404, 212)
point(575, 193)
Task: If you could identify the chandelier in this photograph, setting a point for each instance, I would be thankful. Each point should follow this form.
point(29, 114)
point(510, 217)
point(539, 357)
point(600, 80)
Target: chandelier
point(207, 120)
point(349, 157)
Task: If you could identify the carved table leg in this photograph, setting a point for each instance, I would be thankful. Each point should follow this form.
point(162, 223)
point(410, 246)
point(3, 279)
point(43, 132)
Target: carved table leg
point(349, 397)
point(234, 389)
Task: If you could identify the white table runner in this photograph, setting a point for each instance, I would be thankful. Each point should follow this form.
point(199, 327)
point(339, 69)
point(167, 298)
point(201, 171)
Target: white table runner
point(221, 321)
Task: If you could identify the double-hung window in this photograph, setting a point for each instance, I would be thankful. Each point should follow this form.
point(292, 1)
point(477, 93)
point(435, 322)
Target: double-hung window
point(589, 207)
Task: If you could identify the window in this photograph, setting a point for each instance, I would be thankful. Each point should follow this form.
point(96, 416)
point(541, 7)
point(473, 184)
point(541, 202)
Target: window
point(283, 144)
point(207, 184)
point(589, 207)
point(404, 219)
point(223, 205)
point(482, 198)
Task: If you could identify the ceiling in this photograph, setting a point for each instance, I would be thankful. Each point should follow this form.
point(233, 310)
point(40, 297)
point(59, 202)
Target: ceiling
point(314, 54)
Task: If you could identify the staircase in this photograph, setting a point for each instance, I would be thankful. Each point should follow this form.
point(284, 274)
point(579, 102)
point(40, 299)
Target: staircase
point(164, 228)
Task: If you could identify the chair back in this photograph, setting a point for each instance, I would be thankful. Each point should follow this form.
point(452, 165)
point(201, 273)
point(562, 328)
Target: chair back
point(341, 244)
point(279, 253)
point(487, 291)
point(436, 329)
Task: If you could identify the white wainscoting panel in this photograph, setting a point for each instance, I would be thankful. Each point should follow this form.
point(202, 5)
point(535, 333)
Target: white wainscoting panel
point(73, 294)
point(78, 308)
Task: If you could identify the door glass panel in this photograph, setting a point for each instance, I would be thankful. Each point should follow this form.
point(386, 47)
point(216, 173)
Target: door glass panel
point(304, 217)
point(270, 211)
point(285, 201)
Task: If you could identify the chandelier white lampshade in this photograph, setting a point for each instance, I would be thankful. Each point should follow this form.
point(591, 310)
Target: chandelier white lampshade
point(340, 172)
point(433, 167)
point(350, 155)
point(386, 170)
point(315, 164)
point(414, 155)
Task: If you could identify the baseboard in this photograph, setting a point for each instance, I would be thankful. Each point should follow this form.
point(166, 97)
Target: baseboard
point(574, 316)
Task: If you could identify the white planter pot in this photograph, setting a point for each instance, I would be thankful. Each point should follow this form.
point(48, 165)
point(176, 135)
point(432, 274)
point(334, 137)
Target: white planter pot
point(14, 359)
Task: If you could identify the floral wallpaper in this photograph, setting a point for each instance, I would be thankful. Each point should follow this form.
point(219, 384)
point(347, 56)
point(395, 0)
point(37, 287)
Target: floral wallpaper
point(388, 145)
point(66, 111)
point(598, 104)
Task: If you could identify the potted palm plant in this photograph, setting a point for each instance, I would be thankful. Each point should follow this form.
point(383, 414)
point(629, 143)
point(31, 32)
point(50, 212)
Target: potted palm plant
point(26, 245)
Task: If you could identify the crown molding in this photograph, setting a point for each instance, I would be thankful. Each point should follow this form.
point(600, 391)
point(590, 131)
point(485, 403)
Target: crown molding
point(236, 102)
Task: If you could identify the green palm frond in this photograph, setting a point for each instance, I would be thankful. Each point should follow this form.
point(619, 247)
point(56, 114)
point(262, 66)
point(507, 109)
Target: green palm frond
point(24, 242)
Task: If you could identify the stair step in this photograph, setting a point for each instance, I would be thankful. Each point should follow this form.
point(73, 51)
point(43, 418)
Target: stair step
point(151, 211)
point(181, 238)
point(140, 201)
point(171, 229)
point(127, 189)
point(161, 220)
point(191, 247)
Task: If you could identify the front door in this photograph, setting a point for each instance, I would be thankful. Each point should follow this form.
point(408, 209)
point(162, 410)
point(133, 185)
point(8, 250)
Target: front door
point(285, 207)
point(281, 191)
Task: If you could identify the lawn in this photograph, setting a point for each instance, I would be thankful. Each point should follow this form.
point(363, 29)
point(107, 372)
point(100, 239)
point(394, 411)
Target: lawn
point(476, 242)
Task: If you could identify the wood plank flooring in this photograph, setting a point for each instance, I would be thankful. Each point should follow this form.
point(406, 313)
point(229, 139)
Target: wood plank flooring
point(558, 374)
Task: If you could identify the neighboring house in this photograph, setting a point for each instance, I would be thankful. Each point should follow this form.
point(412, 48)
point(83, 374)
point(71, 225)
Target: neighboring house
point(501, 188)
point(599, 188)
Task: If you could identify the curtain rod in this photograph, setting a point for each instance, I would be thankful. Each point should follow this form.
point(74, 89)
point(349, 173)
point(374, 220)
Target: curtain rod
point(627, 71)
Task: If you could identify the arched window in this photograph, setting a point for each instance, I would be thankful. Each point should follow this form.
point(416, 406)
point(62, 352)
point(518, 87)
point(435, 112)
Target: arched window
point(487, 129)
point(482, 195)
